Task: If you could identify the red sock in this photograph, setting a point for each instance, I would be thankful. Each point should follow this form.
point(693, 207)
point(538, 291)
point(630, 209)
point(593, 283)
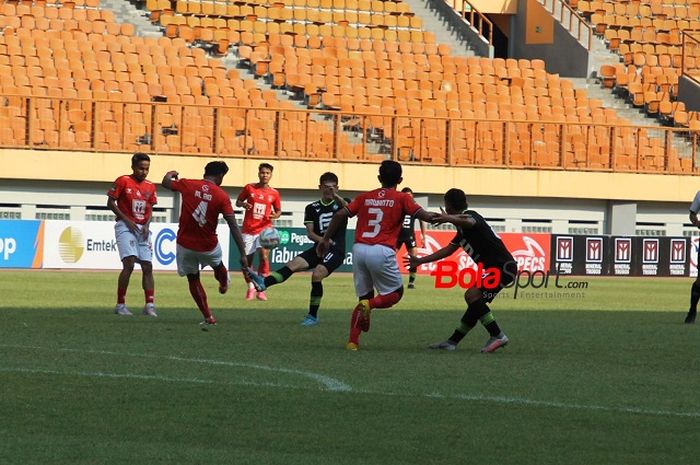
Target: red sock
point(200, 298)
point(121, 295)
point(264, 268)
point(150, 298)
point(384, 301)
point(355, 331)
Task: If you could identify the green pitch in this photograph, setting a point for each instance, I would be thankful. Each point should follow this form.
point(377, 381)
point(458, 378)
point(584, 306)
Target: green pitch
point(609, 376)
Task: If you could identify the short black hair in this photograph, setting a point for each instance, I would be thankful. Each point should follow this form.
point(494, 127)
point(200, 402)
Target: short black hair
point(138, 158)
point(216, 168)
point(390, 173)
point(407, 190)
point(457, 199)
point(328, 176)
point(265, 165)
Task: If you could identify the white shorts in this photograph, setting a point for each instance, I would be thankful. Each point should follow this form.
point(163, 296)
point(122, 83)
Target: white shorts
point(190, 261)
point(251, 242)
point(133, 245)
point(375, 267)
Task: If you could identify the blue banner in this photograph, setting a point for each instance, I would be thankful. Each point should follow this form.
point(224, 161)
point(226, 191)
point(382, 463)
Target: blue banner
point(21, 243)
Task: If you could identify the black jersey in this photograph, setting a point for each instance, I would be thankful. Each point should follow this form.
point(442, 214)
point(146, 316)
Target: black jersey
point(320, 214)
point(482, 243)
point(408, 227)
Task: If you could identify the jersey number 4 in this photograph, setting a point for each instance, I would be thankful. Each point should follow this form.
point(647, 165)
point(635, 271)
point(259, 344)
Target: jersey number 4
point(375, 222)
point(200, 213)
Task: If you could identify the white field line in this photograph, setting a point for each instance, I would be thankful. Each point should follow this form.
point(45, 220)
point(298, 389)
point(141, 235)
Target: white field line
point(329, 384)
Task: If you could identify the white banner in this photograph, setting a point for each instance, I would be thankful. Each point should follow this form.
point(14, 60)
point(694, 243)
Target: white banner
point(91, 245)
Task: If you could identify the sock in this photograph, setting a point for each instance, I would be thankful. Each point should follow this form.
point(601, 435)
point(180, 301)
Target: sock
point(250, 285)
point(315, 298)
point(385, 301)
point(149, 294)
point(221, 274)
point(278, 276)
point(355, 331)
point(121, 295)
point(200, 297)
point(694, 297)
point(411, 276)
point(489, 322)
point(264, 267)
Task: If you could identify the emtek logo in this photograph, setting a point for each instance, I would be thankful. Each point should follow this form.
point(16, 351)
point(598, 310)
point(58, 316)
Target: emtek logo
point(165, 254)
point(70, 245)
point(8, 246)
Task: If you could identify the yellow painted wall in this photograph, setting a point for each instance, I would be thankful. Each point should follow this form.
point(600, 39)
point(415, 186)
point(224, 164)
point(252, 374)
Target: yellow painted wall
point(509, 7)
point(539, 24)
point(105, 167)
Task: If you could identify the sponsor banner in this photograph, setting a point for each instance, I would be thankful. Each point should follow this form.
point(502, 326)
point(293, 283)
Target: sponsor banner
point(21, 243)
point(91, 245)
point(693, 249)
point(293, 241)
point(580, 255)
point(663, 256)
point(622, 248)
point(531, 251)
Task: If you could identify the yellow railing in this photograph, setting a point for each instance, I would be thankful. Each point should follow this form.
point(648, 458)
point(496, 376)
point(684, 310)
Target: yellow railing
point(43, 123)
point(571, 20)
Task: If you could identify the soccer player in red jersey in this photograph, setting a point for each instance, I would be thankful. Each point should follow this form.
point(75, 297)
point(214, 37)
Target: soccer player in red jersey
point(197, 244)
point(131, 198)
point(380, 215)
point(262, 204)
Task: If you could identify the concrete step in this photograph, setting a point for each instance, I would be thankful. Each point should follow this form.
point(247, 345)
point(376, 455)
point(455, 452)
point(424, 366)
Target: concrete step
point(133, 12)
point(434, 22)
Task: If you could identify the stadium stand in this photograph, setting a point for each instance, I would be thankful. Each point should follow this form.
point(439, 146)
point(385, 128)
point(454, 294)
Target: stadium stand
point(73, 78)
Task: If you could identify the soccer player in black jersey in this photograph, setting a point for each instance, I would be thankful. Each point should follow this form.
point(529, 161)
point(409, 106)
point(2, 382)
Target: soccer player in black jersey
point(317, 216)
point(478, 240)
point(407, 237)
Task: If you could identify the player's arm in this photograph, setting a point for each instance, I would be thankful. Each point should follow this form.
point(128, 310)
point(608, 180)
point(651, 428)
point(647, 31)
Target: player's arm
point(338, 219)
point(445, 252)
point(242, 199)
point(311, 234)
point(112, 205)
point(237, 237)
point(168, 179)
point(421, 224)
point(694, 219)
point(340, 199)
point(276, 210)
point(461, 221)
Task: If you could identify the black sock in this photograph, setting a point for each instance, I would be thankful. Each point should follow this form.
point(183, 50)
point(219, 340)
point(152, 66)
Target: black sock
point(694, 297)
point(315, 298)
point(489, 322)
point(278, 276)
point(411, 275)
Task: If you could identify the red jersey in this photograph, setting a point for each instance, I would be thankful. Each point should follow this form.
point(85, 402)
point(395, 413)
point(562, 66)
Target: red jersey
point(202, 201)
point(134, 199)
point(263, 201)
point(380, 215)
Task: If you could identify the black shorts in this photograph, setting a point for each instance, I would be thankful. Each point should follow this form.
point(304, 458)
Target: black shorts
point(332, 260)
point(509, 271)
point(410, 242)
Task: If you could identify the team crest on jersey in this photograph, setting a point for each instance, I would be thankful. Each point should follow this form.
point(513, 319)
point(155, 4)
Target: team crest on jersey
point(381, 193)
point(128, 190)
point(205, 188)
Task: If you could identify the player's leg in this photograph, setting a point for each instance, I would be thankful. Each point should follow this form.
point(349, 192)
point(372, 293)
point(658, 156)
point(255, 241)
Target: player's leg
point(386, 277)
point(412, 251)
point(188, 265)
point(329, 263)
point(250, 241)
point(364, 289)
point(128, 251)
point(145, 259)
point(263, 268)
point(123, 285)
point(301, 262)
point(148, 284)
point(694, 298)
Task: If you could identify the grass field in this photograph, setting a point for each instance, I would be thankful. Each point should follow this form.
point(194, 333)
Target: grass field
point(610, 377)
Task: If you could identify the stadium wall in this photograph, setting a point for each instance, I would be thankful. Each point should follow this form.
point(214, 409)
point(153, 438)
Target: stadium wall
point(72, 186)
point(689, 93)
point(530, 38)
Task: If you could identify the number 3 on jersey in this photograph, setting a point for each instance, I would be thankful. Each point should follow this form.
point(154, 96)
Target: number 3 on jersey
point(375, 222)
point(200, 213)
